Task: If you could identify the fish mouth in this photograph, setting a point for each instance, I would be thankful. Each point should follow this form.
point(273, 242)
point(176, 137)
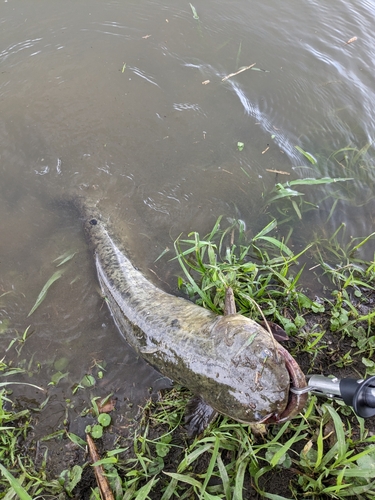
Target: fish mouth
point(296, 402)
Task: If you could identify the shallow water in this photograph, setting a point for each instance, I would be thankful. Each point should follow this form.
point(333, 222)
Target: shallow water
point(111, 95)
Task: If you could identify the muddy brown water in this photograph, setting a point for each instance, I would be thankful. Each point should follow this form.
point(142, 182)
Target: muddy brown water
point(111, 95)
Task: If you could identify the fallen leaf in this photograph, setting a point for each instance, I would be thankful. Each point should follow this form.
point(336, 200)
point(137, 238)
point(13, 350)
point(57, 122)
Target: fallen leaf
point(307, 447)
point(107, 406)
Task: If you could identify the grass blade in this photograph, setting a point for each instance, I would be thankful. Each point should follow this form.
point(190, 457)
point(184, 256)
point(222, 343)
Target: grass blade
point(211, 465)
point(340, 434)
point(66, 259)
point(238, 55)
point(307, 155)
point(296, 209)
point(267, 229)
point(194, 11)
point(272, 496)
point(170, 489)
point(320, 447)
point(15, 484)
point(363, 241)
point(145, 490)
point(191, 457)
point(277, 243)
point(3, 384)
point(44, 291)
point(240, 476)
point(166, 250)
point(224, 477)
point(323, 180)
point(185, 479)
point(286, 447)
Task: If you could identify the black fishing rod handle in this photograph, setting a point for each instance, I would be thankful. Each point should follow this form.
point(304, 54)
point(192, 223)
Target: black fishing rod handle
point(360, 394)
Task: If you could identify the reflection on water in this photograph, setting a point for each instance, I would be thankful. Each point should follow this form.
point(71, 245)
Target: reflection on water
point(112, 95)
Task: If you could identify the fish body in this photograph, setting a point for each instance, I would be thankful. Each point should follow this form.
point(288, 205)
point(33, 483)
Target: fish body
point(230, 361)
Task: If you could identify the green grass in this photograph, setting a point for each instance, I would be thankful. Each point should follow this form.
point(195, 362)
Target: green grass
point(264, 272)
point(321, 453)
point(18, 475)
point(349, 161)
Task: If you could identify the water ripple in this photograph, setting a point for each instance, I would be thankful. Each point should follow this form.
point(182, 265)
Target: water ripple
point(18, 47)
point(184, 106)
point(140, 73)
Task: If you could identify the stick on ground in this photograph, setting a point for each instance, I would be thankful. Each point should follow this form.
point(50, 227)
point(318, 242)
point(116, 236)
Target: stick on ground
point(104, 488)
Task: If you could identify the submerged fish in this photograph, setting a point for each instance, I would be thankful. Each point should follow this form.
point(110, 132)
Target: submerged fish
point(231, 363)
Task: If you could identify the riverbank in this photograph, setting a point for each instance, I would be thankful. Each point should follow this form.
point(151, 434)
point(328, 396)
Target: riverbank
point(326, 452)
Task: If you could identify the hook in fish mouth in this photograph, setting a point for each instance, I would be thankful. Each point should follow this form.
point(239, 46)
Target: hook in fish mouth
point(296, 402)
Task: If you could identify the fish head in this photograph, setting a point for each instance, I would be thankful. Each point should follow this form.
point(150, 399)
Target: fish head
point(256, 373)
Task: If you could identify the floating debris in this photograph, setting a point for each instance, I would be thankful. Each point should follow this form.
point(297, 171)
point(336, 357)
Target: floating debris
point(44, 291)
point(245, 68)
point(277, 171)
point(194, 11)
point(353, 39)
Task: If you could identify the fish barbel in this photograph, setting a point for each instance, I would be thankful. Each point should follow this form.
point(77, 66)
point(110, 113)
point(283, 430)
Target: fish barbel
point(230, 361)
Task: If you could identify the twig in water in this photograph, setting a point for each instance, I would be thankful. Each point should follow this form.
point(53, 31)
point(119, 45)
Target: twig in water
point(277, 171)
point(237, 72)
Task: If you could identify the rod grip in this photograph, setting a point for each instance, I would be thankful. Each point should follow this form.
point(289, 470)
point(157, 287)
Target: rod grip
point(360, 394)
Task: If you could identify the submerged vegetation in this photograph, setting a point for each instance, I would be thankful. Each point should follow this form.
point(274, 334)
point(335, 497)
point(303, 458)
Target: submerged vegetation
point(327, 452)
